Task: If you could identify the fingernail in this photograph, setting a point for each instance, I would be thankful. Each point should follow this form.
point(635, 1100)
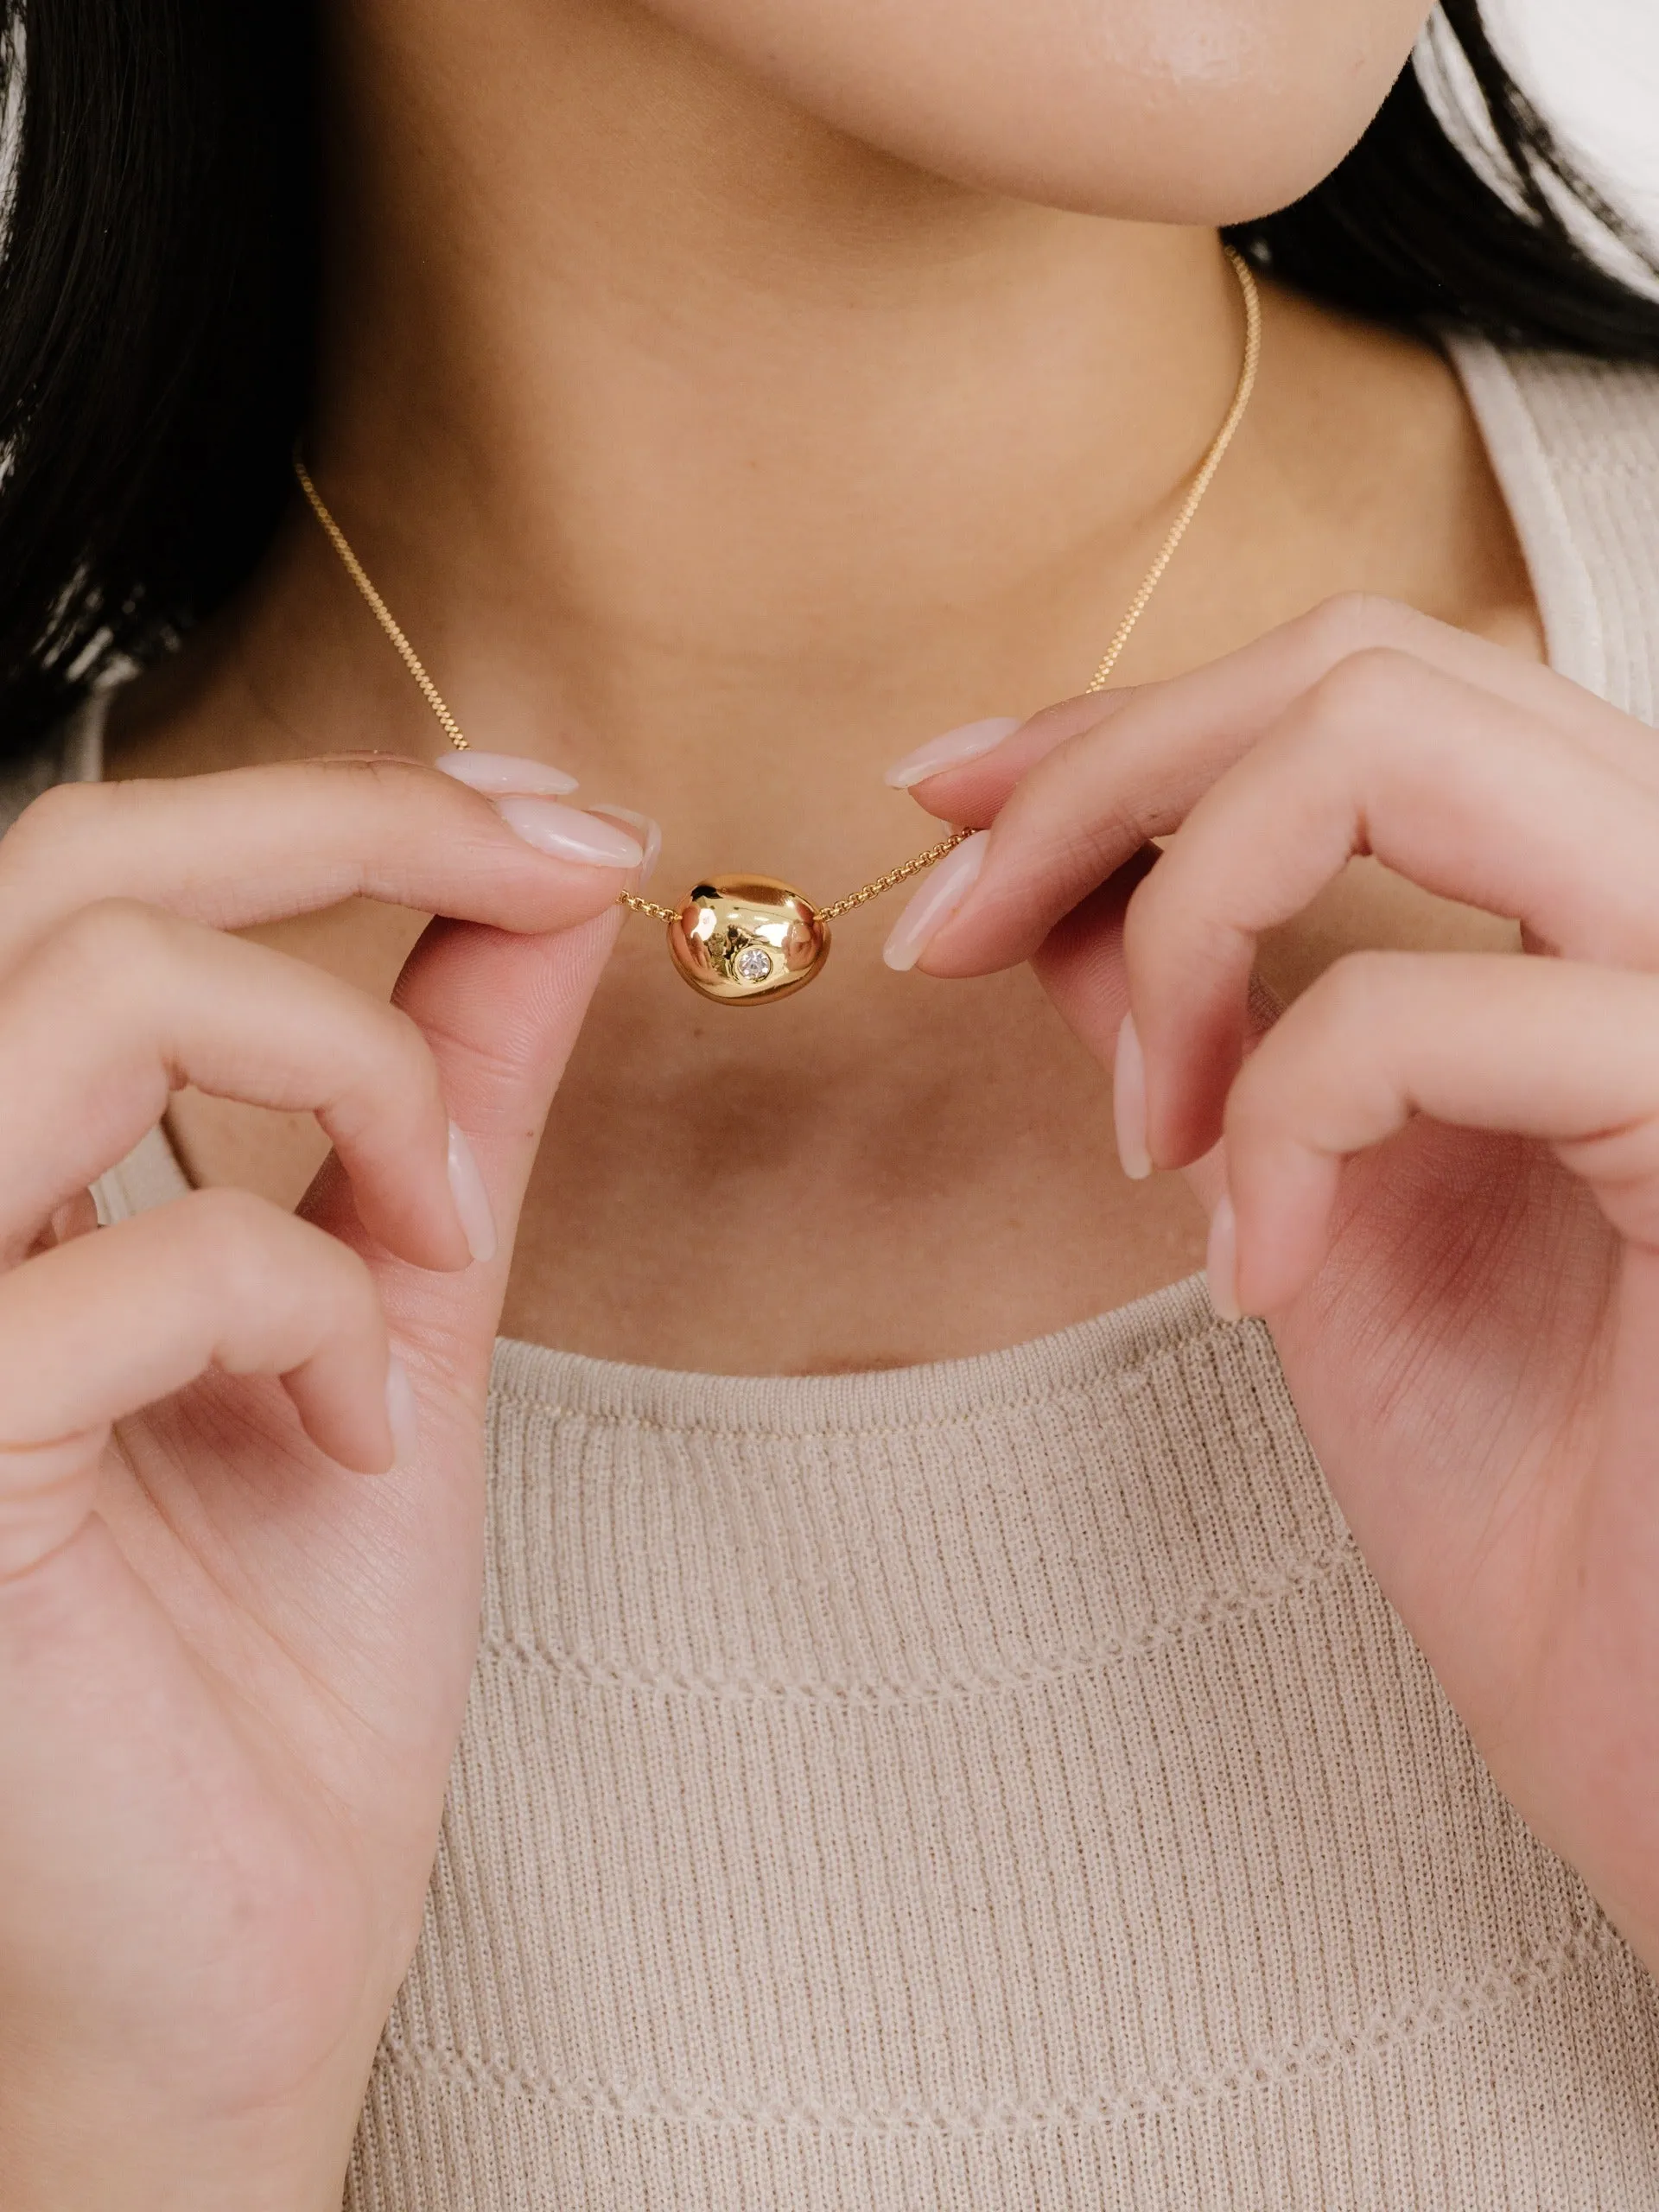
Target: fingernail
point(569, 835)
point(403, 1414)
point(951, 750)
point(1221, 1261)
point(497, 773)
point(935, 903)
point(644, 829)
point(471, 1200)
point(1129, 1103)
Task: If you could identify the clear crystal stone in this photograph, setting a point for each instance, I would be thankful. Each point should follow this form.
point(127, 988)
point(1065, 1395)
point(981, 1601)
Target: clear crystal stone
point(752, 964)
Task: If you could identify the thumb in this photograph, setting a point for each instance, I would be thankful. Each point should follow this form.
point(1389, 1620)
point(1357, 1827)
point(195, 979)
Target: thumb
point(500, 1012)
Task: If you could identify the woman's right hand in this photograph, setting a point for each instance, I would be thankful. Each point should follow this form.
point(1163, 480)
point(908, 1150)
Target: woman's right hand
point(241, 1456)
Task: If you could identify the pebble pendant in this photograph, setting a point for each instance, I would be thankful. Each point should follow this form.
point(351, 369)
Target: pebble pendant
point(743, 938)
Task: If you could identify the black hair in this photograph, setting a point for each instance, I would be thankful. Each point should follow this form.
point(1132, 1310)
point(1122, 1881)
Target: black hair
point(157, 298)
point(159, 282)
point(1411, 228)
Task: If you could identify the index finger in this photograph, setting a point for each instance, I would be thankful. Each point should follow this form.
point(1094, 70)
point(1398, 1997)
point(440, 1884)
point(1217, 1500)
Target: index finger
point(1079, 788)
point(249, 845)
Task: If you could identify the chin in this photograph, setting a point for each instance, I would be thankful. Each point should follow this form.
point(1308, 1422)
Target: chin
point(1201, 112)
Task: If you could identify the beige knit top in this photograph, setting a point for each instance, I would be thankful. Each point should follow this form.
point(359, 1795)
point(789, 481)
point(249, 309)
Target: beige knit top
point(998, 1786)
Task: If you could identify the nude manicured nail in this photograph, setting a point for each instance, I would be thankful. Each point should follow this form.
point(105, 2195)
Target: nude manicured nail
point(471, 1200)
point(951, 750)
point(1129, 1103)
point(569, 835)
point(403, 1414)
point(645, 829)
point(1221, 1261)
point(496, 773)
point(935, 902)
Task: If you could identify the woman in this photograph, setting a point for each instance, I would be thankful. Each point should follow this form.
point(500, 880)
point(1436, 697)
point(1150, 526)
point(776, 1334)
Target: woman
point(898, 1769)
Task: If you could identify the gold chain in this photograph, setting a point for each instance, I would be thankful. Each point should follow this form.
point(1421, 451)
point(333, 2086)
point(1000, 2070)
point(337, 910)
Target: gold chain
point(872, 890)
point(648, 906)
point(1137, 607)
point(382, 613)
point(1200, 484)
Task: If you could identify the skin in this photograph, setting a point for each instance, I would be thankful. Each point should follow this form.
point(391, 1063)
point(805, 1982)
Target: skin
point(703, 393)
point(682, 429)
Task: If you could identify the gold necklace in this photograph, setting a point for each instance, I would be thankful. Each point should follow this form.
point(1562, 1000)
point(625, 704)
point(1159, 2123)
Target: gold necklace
point(740, 939)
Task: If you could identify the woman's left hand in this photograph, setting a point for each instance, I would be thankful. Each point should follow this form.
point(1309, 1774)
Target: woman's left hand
point(1438, 1176)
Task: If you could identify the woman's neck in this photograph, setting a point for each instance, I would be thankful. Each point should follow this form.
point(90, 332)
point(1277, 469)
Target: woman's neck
point(719, 459)
point(677, 427)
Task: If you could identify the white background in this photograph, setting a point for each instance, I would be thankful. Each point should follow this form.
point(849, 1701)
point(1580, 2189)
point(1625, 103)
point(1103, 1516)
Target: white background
point(1593, 66)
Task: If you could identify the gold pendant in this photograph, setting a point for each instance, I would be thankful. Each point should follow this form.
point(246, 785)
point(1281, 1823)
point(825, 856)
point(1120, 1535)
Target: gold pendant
point(743, 938)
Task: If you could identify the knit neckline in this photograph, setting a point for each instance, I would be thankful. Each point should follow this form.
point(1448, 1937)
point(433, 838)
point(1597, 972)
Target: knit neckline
point(1108, 1347)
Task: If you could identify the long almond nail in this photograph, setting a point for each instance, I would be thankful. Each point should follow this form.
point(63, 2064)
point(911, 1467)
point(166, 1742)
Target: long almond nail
point(569, 835)
point(1221, 1261)
point(1129, 1103)
point(645, 829)
point(935, 902)
point(471, 1200)
point(498, 773)
point(402, 1412)
point(951, 750)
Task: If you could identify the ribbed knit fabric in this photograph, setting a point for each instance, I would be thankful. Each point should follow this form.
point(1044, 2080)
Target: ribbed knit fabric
point(990, 1785)
point(1000, 1787)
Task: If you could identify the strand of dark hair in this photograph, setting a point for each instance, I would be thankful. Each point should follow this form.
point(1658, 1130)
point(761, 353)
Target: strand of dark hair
point(157, 298)
point(1408, 229)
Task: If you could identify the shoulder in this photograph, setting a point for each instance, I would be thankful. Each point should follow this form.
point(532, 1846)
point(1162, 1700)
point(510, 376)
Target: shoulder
point(1576, 445)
